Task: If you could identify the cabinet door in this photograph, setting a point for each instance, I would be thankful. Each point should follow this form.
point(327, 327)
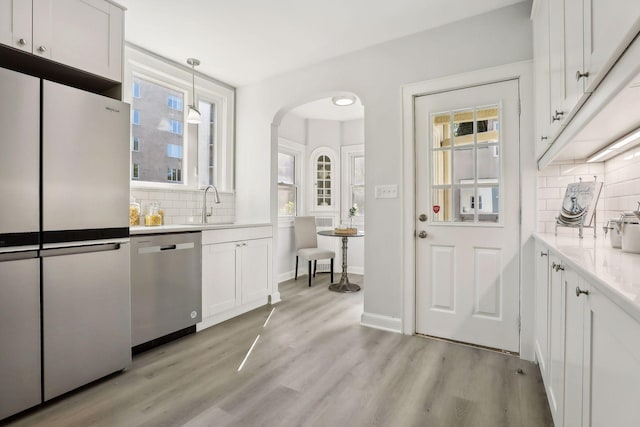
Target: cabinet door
point(220, 290)
point(555, 387)
point(542, 309)
point(256, 270)
point(574, 339)
point(84, 34)
point(565, 48)
point(15, 24)
point(609, 26)
point(613, 360)
point(541, 70)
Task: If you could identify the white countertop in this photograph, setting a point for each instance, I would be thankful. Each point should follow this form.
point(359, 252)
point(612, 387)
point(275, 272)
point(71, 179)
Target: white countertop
point(176, 228)
point(615, 273)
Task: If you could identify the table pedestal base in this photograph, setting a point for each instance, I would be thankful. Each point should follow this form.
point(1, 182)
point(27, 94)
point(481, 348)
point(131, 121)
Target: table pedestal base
point(344, 285)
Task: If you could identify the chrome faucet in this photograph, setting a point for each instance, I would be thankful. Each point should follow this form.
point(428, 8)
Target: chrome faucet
point(216, 199)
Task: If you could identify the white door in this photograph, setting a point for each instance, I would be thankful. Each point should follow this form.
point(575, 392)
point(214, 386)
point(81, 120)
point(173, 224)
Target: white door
point(467, 200)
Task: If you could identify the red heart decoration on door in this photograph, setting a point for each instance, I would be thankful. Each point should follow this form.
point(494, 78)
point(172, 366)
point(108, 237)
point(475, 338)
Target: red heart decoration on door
point(436, 208)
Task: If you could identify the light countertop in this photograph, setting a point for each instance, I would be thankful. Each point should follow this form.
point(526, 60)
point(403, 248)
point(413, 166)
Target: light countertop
point(176, 228)
point(615, 273)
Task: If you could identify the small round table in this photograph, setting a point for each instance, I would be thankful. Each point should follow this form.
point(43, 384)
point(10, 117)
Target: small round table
point(344, 285)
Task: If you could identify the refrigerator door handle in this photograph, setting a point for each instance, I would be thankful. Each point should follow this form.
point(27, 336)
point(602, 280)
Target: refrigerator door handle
point(15, 256)
point(80, 249)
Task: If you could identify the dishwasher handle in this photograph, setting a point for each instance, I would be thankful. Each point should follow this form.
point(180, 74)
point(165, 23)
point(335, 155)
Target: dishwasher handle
point(165, 248)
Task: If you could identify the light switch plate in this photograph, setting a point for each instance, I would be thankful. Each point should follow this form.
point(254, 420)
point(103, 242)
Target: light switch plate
point(386, 191)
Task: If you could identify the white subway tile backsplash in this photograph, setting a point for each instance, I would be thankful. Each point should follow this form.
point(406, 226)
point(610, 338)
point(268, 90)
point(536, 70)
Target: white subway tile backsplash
point(185, 207)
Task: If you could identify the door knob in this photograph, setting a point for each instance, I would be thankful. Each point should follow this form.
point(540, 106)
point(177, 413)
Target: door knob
point(422, 234)
point(422, 217)
point(580, 291)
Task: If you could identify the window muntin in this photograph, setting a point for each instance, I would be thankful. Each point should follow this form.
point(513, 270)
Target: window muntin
point(465, 174)
point(287, 189)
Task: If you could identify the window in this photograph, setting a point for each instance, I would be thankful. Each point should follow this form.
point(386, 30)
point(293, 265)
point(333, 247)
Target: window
point(174, 102)
point(324, 177)
point(465, 159)
point(174, 151)
point(174, 175)
point(175, 126)
point(353, 182)
point(207, 142)
point(135, 173)
point(159, 92)
point(287, 191)
point(136, 90)
point(161, 131)
point(323, 181)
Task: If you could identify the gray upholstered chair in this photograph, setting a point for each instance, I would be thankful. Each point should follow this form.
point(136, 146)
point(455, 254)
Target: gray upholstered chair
point(307, 245)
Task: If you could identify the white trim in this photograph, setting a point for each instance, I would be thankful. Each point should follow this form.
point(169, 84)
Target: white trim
point(274, 298)
point(297, 150)
point(287, 275)
point(346, 153)
point(231, 313)
point(384, 323)
point(523, 72)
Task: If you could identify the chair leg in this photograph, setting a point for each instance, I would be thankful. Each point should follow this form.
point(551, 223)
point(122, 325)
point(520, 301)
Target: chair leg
point(331, 270)
point(296, 276)
point(309, 273)
point(315, 267)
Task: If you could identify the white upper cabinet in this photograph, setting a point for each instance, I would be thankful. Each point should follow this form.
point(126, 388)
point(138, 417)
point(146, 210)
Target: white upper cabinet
point(609, 26)
point(541, 64)
point(15, 24)
point(83, 34)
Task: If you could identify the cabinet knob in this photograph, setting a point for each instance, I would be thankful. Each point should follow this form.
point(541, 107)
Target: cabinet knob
point(557, 116)
point(580, 291)
point(22, 42)
point(543, 138)
point(42, 49)
point(543, 253)
point(580, 75)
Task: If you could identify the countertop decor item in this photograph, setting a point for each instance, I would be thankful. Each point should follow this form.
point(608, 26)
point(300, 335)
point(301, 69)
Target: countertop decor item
point(579, 206)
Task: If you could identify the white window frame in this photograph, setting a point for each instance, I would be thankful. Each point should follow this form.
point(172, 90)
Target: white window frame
point(169, 74)
point(297, 150)
point(347, 153)
point(335, 179)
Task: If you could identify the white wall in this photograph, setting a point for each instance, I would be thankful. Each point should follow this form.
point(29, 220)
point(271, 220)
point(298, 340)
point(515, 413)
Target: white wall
point(352, 132)
point(293, 128)
point(622, 184)
point(376, 75)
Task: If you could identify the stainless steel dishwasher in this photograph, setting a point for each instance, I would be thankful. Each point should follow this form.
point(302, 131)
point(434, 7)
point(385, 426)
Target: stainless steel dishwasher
point(166, 286)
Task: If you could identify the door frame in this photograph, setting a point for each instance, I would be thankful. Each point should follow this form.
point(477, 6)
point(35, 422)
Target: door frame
point(523, 72)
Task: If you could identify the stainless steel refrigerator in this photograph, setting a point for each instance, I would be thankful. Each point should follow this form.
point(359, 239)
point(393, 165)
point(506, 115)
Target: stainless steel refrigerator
point(64, 239)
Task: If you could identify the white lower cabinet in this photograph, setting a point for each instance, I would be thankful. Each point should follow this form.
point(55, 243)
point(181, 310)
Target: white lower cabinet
point(588, 349)
point(612, 364)
point(236, 272)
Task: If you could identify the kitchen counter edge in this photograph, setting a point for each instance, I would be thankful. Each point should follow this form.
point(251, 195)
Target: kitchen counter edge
point(613, 272)
point(178, 228)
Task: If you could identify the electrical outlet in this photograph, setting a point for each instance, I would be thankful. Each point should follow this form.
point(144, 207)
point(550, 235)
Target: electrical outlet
point(386, 191)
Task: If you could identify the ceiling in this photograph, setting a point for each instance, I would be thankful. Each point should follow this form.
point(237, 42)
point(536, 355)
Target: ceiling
point(244, 41)
point(324, 109)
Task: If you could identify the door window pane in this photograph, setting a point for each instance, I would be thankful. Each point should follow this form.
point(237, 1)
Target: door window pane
point(465, 176)
point(441, 208)
point(323, 181)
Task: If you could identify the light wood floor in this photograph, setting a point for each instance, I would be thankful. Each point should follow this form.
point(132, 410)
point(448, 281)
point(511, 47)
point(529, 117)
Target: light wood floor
point(314, 365)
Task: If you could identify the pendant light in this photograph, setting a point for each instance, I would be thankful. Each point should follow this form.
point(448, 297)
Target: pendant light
point(193, 115)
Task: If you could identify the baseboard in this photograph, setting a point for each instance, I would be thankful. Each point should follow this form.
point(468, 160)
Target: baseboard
point(231, 313)
point(283, 277)
point(385, 323)
point(356, 270)
point(274, 298)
